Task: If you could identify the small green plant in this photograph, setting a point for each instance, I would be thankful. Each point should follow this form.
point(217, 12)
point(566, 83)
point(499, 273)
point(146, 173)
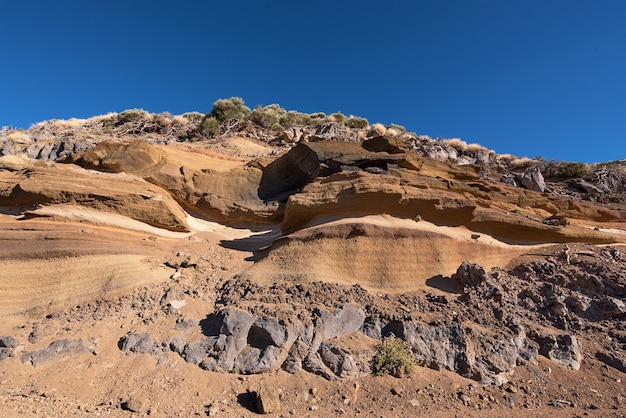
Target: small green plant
point(357, 123)
point(393, 357)
point(236, 370)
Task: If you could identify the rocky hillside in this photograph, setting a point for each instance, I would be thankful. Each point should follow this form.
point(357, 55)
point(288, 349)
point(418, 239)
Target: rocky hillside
point(243, 247)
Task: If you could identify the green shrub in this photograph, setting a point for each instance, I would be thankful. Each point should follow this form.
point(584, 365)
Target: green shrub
point(392, 357)
point(357, 123)
point(318, 115)
point(292, 119)
point(339, 117)
point(233, 108)
point(210, 126)
point(565, 170)
point(131, 115)
point(193, 116)
point(268, 116)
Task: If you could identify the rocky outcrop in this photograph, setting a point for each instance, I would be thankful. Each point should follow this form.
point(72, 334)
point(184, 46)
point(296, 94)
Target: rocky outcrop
point(230, 195)
point(27, 187)
point(57, 350)
point(8, 347)
point(533, 180)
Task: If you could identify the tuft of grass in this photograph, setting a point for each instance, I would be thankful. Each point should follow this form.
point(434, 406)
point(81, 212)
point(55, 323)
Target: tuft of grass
point(393, 357)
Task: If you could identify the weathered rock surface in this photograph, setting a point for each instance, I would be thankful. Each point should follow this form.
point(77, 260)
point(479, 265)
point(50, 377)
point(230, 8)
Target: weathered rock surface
point(8, 347)
point(57, 350)
point(268, 400)
point(533, 180)
point(130, 196)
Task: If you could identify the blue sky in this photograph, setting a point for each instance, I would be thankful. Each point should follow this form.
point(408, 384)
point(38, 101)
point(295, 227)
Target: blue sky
point(527, 77)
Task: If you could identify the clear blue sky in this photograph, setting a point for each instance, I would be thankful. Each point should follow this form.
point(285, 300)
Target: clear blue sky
point(527, 77)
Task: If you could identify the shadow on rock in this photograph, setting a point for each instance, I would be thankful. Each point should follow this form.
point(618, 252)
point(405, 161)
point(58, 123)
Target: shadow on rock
point(444, 284)
point(248, 400)
point(254, 242)
point(211, 325)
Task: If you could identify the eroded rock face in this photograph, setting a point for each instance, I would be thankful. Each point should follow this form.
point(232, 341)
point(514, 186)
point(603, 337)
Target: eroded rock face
point(533, 180)
point(496, 321)
point(28, 187)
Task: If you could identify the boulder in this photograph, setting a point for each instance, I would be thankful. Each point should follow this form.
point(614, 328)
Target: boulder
point(344, 321)
point(57, 350)
point(386, 144)
point(138, 344)
point(532, 179)
point(8, 347)
point(268, 399)
point(469, 275)
point(564, 349)
point(137, 404)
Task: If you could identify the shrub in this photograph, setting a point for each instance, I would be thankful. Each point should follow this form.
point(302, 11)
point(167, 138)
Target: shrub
point(292, 119)
point(268, 116)
point(338, 117)
point(193, 116)
point(131, 115)
point(401, 129)
point(457, 143)
point(565, 170)
point(318, 115)
point(210, 126)
point(393, 357)
point(233, 108)
point(357, 123)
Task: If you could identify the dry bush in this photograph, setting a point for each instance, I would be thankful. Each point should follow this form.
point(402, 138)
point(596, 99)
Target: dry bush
point(391, 131)
point(505, 157)
point(521, 162)
point(476, 148)
point(457, 143)
point(194, 117)
point(379, 128)
point(180, 120)
point(19, 137)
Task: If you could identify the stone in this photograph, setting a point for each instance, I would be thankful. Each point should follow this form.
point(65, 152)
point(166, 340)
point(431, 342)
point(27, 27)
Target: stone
point(345, 321)
point(268, 399)
point(8, 342)
point(533, 180)
point(138, 343)
point(564, 349)
point(57, 350)
point(469, 275)
point(196, 351)
point(136, 404)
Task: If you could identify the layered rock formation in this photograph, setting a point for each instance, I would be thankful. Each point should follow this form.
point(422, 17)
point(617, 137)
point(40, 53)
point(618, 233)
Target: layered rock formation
point(353, 236)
